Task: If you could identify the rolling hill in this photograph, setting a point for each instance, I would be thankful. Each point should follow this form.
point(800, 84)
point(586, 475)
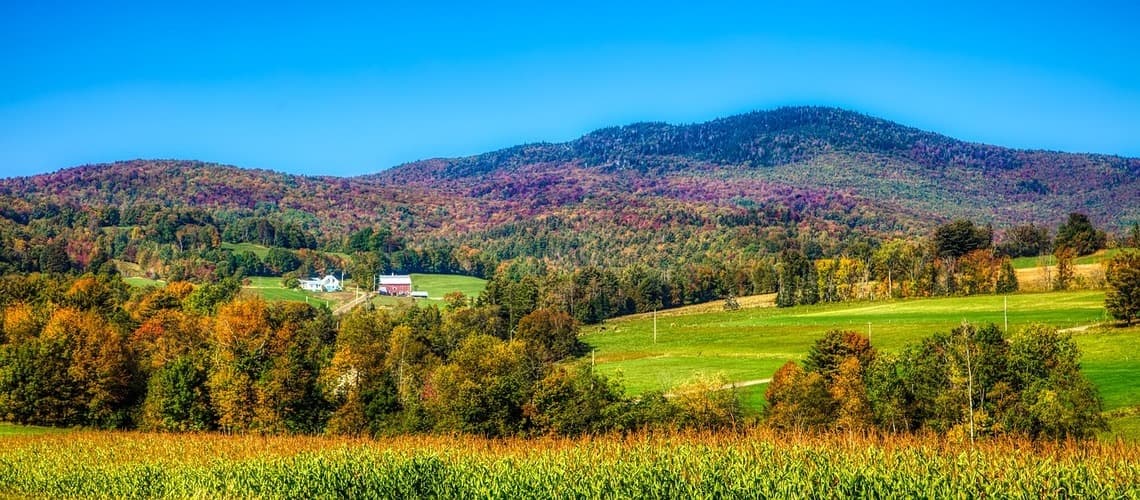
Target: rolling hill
point(747, 183)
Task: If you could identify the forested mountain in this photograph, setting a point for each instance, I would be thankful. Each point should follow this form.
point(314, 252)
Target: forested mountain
point(832, 150)
point(816, 179)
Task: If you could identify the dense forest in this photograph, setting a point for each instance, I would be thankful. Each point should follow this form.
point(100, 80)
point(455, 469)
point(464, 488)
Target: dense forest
point(90, 350)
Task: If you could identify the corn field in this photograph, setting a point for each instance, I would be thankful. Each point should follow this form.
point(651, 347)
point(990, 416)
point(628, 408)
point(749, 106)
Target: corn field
point(754, 464)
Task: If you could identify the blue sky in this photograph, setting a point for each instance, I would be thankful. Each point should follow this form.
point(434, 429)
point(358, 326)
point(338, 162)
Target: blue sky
point(347, 89)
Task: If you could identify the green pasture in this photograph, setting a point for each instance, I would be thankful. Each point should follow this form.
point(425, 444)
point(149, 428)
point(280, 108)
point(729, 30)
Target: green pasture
point(1049, 260)
point(272, 289)
point(436, 285)
point(141, 282)
point(11, 430)
point(750, 344)
point(259, 250)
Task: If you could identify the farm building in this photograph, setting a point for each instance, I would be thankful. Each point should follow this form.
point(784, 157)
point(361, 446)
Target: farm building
point(327, 284)
point(395, 284)
point(419, 295)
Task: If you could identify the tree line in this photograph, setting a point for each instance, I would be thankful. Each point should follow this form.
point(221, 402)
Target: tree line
point(91, 351)
point(970, 382)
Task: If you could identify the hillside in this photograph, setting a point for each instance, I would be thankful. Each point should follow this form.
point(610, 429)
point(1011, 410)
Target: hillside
point(759, 156)
point(747, 183)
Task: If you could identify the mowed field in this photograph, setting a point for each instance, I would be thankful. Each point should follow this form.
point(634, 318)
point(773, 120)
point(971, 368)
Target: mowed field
point(1049, 260)
point(273, 290)
point(437, 285)
point(751, 343)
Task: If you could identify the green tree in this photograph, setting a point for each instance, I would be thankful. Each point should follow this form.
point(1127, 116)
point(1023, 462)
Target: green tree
point(206, 298)
point(289, 396)
point(1007, 278)
point(893, 260)
point(1056, 401)
point(798, 400)
point(553, 333)
point(484, 387)
point(177, 398)
point(828, 353)
point(572, 401)
point(887, 394)
point(961, 237)
point(793, 270)
point(1079, 234)
point(35, 386)
point(54, 258)
point(1026, 241)
point(1122, 300)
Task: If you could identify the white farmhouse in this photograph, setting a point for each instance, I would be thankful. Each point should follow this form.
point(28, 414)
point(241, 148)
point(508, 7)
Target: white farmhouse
point(327, 284)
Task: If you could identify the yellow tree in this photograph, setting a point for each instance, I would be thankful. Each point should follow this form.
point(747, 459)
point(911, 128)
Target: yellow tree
point(100, 364)
point(241, 337)
point(853, 411)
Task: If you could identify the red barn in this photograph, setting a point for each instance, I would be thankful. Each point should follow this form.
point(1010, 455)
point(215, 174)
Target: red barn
point(395, 284)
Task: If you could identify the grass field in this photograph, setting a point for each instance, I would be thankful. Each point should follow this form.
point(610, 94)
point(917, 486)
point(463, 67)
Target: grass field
point(752, 464)
point(436, 285)
point(141, 282)
point(271, 288)
point(15, 430)
point(258, 250)
point(1049, 260)
point(751, 343)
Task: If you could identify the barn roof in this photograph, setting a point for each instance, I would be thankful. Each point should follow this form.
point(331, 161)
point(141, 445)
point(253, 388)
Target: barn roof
point(396, 279)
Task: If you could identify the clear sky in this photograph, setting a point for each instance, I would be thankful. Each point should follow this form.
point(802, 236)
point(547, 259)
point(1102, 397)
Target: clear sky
point(345, 89)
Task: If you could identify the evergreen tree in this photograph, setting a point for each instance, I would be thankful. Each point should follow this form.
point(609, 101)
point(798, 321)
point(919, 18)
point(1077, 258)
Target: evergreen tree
point(809, 288)
point(1079, 234)
point(1007, 278)
point(1123, 296)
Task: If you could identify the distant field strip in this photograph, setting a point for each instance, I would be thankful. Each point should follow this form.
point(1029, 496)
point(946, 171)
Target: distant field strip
point(751, 343)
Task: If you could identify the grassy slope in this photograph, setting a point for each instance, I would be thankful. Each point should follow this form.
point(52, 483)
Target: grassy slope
point(271, 289)
point(140, 282)
point(438, 285)
point(258, 250)
point(752, 343)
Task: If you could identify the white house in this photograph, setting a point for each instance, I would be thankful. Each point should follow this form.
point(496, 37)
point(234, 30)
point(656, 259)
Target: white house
point(327, 284)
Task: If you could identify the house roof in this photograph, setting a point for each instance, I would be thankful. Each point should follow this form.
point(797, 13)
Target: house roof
point(396, 279)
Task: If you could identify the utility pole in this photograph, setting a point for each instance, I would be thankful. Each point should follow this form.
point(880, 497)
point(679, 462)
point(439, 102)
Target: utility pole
point(1005, 312)
point(970, 384)
point(654, 326)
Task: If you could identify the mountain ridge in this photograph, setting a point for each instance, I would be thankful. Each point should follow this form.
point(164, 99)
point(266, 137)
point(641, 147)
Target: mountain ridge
point(754, 127)
point(757, 180)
